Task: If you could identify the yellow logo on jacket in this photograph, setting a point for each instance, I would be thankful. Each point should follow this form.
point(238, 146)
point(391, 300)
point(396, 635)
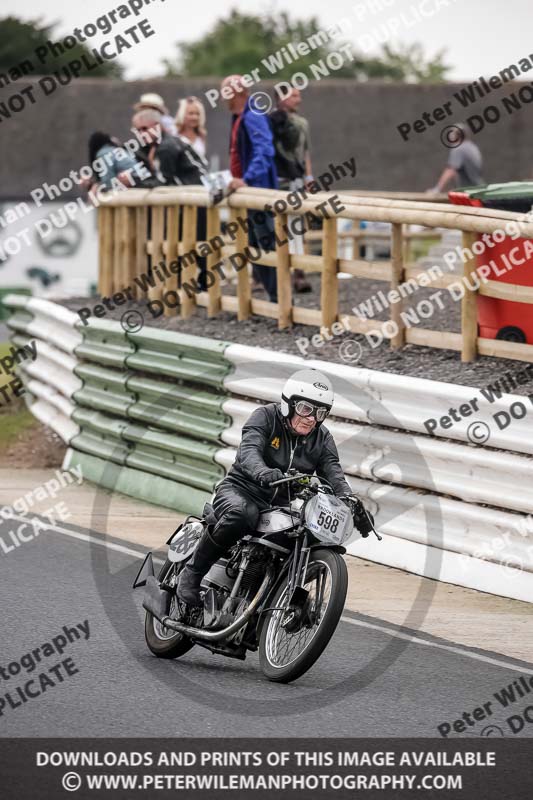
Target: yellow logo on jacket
point(275, 443)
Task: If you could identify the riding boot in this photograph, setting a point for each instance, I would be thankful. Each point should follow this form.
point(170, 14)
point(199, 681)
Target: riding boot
point(205, 555)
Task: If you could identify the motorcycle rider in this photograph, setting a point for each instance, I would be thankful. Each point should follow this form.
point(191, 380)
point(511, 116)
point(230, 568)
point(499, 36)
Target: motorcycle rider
point(275, 438)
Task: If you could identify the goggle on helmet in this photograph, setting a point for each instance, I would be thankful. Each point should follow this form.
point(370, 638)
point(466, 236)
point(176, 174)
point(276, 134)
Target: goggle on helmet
point(308, 393)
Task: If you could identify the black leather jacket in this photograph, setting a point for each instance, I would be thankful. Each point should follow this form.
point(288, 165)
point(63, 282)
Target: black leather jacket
point(267, 443)
point(176, 162)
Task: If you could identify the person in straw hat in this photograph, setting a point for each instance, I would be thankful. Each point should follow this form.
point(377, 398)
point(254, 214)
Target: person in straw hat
point(154, 101)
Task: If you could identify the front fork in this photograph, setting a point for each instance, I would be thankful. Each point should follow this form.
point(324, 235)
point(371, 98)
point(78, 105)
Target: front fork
point(296, 594)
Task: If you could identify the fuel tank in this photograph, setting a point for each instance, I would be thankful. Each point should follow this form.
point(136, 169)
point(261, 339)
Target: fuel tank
point(276, 521)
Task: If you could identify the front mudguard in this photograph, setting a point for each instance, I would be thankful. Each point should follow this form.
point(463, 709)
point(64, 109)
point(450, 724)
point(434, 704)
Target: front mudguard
point(337, 548)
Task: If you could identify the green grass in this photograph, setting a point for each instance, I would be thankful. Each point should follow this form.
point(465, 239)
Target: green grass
point(14, 419)
point(4, 351)
point(14, 416)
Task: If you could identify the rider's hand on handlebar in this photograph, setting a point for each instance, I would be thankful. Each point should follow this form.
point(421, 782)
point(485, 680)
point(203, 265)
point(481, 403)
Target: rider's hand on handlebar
point(363, 519)
point(271, 476)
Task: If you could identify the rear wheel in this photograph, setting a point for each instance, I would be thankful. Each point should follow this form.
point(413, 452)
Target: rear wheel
point(165, 642)
point(293, 639)
point(511, 334)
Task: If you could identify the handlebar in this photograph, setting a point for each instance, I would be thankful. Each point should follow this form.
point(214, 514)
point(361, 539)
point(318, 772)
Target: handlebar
point(291, 478)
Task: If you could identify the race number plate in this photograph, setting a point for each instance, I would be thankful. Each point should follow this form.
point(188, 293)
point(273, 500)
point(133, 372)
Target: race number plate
point(329, 519)
point(184, 541)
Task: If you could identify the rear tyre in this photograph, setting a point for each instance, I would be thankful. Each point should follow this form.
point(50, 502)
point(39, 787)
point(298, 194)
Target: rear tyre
point(511, 334)
point(288, 648)
point(164, 642)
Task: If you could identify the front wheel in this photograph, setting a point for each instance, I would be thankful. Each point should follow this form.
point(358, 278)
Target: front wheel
point(293, 639)
point(165, 642)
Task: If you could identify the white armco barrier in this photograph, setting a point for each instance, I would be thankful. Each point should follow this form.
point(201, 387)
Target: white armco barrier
point(450, 510)
point(473, 474)
point(394, 401)
point(49, 415)
point(52, 323)
point(451, 540)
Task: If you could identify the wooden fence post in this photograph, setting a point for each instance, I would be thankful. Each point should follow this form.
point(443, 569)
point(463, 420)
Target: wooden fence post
point(329, 294)
point(158, 235)
point(397, 277)
point(141, 254)
point(469, 304)
point(214, 292)
point(244, 292)
point(171, 255)
point(283, 274)
point(128, 252)
point(105, 255)
point(188, 271)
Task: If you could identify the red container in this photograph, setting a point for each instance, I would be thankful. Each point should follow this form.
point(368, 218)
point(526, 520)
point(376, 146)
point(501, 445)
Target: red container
point(510, 263)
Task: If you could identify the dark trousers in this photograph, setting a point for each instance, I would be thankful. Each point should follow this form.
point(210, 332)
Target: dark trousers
point(237, 513)
point(261, 234)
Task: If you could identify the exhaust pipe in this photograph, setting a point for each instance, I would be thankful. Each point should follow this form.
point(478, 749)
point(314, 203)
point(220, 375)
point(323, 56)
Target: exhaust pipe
point(216, 636)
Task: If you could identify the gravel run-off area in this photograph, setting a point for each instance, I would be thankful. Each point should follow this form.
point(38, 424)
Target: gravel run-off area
point(421, 362)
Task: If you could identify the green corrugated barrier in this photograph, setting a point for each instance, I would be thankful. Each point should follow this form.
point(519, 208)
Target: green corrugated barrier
point(20, 320)
point(4, 310)
point(181, 408)
point(103, 389)
point(169, 425)
point(137, 483)
point(149, 449)
point(104, 342)
point(149, 410)
point(179, 355)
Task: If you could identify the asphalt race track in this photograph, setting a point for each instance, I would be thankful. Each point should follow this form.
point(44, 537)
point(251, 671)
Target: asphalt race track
point(373, 680)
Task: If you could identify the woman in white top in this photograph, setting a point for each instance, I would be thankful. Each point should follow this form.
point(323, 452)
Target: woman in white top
point(190, 122)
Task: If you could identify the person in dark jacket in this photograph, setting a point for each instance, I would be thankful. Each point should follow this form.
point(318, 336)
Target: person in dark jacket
point(252, 164)
point(173, 162)
point(276, 438)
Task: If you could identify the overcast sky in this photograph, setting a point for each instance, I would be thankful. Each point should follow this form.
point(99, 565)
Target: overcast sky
point(480, 36)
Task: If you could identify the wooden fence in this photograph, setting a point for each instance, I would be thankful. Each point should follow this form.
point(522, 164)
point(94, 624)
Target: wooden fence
point(139, 229)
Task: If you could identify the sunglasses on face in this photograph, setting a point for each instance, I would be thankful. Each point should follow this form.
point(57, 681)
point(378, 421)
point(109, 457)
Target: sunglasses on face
point(305, 409)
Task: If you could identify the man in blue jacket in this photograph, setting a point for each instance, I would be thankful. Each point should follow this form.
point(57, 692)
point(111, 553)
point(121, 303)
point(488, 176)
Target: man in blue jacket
point(252, 164)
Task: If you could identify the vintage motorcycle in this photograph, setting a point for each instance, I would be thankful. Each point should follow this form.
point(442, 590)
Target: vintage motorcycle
point(280, 590)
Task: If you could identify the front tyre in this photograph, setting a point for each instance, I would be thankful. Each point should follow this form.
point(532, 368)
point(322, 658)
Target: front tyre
point(165, 642)
point(290, 641)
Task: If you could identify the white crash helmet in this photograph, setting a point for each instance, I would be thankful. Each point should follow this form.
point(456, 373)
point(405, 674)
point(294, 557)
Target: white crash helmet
point(307, 385)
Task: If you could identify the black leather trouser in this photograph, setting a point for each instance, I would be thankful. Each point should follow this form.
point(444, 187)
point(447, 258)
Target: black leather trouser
point(237, 513)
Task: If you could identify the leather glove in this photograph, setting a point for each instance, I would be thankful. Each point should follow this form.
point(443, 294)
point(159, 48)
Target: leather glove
point(270, 476)
point(361, 517)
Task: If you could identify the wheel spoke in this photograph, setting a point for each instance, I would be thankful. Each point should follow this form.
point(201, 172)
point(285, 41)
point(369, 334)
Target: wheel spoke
point(284, 646)
point(161, 631)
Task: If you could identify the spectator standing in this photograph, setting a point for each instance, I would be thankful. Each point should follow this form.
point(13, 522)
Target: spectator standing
point(252, 164)
point(172, 159)
point(155, 102)
point(109, 161)
point(174, 162)
point(464, 162)
point(293, 161)
point(190, 124)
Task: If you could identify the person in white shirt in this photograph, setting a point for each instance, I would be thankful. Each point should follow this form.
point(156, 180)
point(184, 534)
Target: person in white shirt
point(190, 124)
